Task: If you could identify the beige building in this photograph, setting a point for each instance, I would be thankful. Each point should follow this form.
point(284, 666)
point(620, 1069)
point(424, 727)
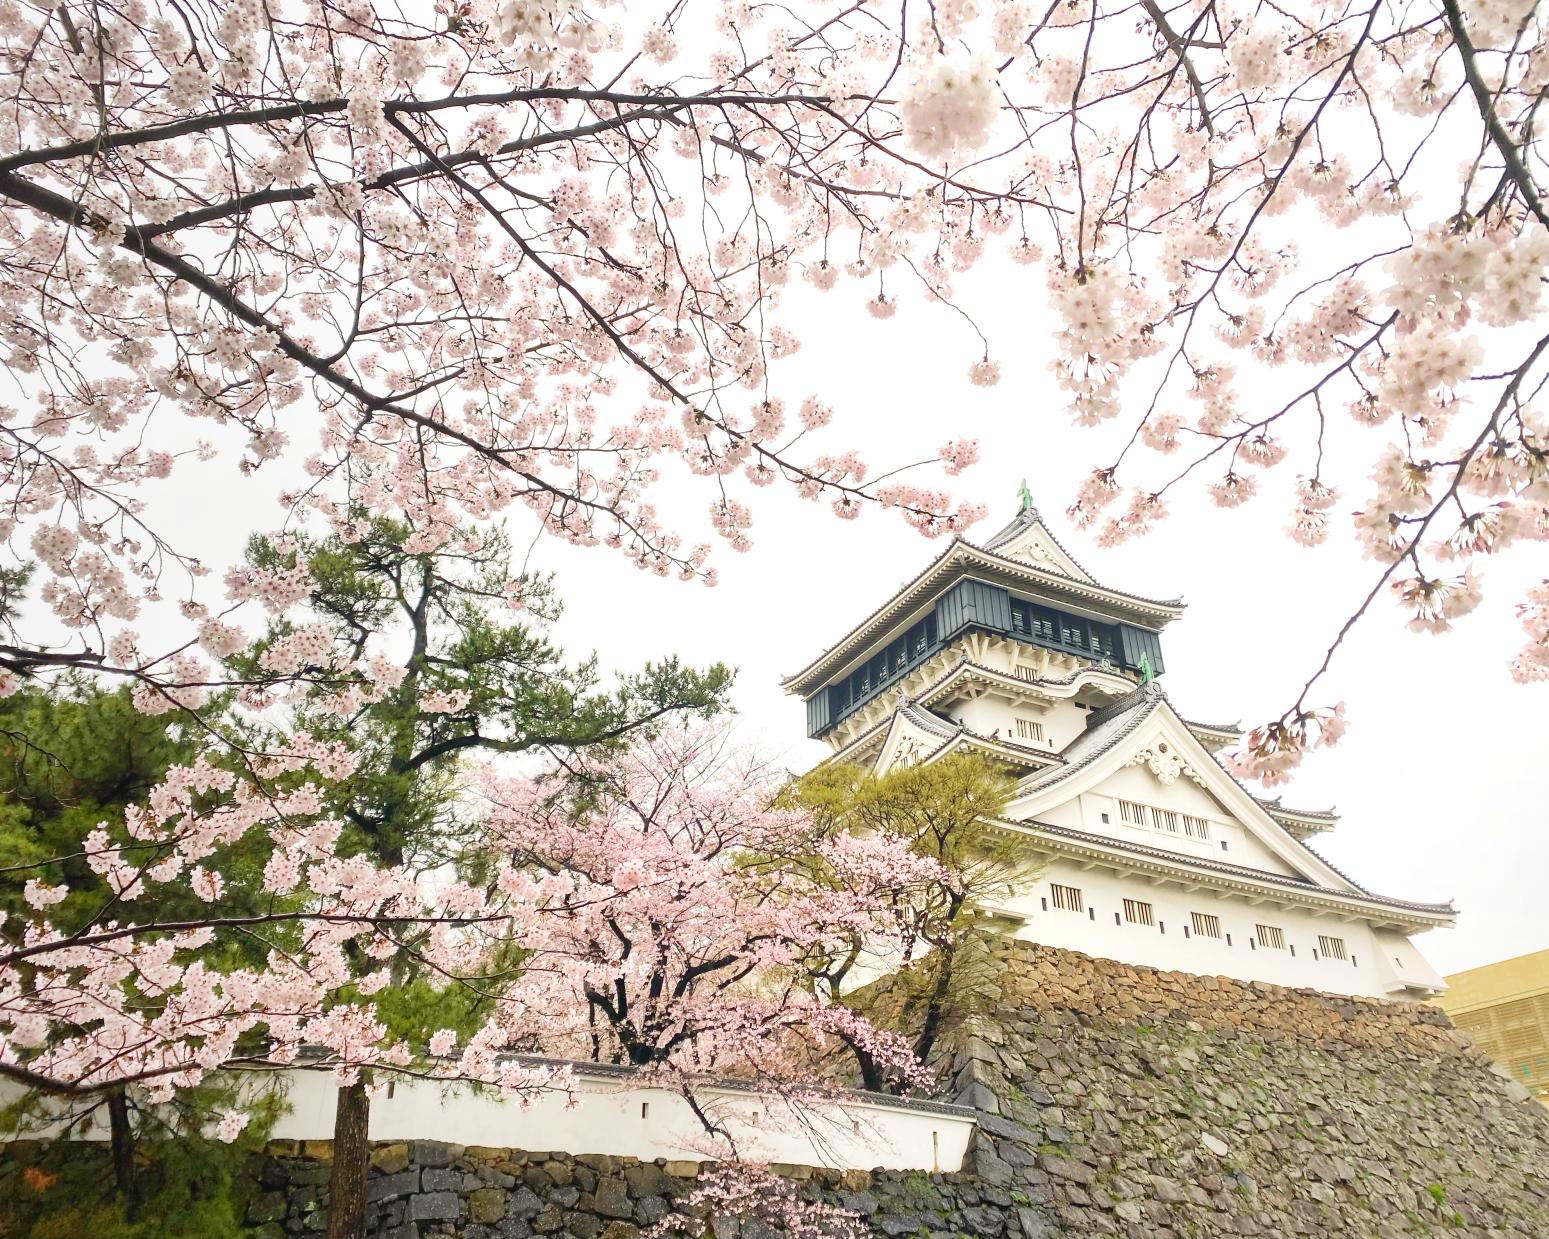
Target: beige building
point(1504, 1007)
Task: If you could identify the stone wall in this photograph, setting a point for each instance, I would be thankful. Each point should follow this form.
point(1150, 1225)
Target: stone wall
point(426, 1188)
point(1128, 1102)
point(1115, 1102)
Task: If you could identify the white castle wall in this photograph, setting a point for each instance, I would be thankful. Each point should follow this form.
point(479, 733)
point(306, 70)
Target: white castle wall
point(610, 1115)
point(1382, 964)
point(1136, 784)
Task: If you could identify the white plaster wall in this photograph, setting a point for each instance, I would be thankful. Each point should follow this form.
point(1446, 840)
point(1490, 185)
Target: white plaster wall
point(1062, 721)
point(611, 1117)
point(1137, 785)
point(1094, 932)
point(1403, 964)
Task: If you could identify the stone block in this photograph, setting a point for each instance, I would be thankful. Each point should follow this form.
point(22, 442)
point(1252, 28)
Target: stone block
point(448, 1180)
point(650, 1210)
point(524, 1202)
point(494, 1177)
point(1067, 1168)
point(390, 1186)
point(313, 1174)
point(611, 1199)
point(270, 1207)
point(434, 1207)
point(431, 1154)
point(390, 1158)
point(584, 1226)
point(487, 1204)
point(645, 1179)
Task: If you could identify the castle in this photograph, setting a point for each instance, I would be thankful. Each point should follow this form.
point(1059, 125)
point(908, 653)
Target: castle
point(1150, 851)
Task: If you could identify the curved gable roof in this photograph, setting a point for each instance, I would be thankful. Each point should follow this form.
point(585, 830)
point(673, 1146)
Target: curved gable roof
point(1119, 730)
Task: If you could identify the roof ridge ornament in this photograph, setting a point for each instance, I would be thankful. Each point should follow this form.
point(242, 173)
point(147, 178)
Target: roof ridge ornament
point(1025, 498)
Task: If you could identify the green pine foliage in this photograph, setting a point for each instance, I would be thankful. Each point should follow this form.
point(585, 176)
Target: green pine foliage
point(74, 756)
point(188, 1185)
point(944, 809)
point(446, 618)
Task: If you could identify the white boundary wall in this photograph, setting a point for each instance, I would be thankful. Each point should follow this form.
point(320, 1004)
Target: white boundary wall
point(609, 1114)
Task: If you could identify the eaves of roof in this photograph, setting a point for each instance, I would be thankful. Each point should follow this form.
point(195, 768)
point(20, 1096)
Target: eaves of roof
point(965, 667)
point(1429, 913)
point(1218, 729)
point(960, 557)
point(1274, 806)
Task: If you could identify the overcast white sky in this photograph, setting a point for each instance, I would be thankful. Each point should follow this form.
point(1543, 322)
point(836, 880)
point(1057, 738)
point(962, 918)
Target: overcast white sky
point(1443, 776)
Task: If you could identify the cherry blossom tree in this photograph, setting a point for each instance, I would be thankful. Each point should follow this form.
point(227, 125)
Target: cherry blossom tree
point(503, 253)
point(687, 906)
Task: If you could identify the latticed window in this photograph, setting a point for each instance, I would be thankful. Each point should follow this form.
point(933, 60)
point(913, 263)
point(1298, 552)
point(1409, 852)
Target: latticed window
point(1196, 827)
point(1026, 671)
point(1066, 898)
point(1332, 948)
point(1165, 819)
point(1029, 729)
point(1205, 925)
point(1132, 814)
point(1271, 936)
point(1137, 912)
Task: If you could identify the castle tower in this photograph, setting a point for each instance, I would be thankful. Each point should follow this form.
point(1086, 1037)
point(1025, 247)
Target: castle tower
point(1149, 851)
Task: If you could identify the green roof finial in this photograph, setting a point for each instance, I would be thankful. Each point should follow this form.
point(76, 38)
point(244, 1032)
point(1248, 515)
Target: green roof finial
point(1146, 674)
point(1024, 497)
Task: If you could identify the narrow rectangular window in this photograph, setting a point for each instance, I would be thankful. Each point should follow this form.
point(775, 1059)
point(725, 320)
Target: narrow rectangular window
point(1132, 814)
point(1137, 912)
point(1332, 948)
point(1196, 827)
point(1271, 936)
point(1165, 819)
point(1026, 672)
point(1205, 925)
point(1029, 729)
point(1066, 898)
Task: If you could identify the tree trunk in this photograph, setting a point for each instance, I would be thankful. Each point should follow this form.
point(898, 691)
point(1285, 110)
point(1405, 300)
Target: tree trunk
point(351, 1160)
point(936, 1007)
point(122, 1138)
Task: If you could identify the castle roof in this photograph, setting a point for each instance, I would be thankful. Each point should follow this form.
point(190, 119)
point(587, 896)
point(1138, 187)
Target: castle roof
point(1107, 730)
point(1023, 555)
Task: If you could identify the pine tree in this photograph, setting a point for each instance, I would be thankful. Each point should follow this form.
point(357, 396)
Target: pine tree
point(479, 676)
point(943, 809)
point(73, 756)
